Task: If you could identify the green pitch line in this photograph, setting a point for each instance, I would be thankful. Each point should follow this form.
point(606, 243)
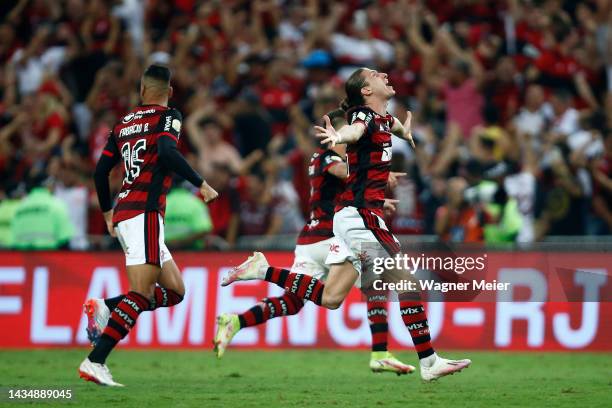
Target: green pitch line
point(313, 378)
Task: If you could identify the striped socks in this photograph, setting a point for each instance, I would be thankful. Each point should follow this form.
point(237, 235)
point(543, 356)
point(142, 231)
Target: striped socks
point(415, 319)
point(121, 321)
point(304, 286)
point(269, 308)
point(377, 318)
point(162, 297)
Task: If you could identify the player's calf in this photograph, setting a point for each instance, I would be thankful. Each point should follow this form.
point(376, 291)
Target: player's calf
point(121, 321)
point(164, 297)
point(229, 324)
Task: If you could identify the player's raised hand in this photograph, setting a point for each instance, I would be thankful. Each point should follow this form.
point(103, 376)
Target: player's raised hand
point(208, 193)
point(394, 178)
point(389, 205)
point(328, 134)
point(407, 129)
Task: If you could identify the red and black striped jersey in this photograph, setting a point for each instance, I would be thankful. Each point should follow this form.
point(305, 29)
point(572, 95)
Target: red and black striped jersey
point(369, 161)
point(135, 141)
point(324, 190)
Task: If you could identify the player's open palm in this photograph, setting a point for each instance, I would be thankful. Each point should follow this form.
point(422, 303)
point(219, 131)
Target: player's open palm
point(208, 193)
point(327, 134)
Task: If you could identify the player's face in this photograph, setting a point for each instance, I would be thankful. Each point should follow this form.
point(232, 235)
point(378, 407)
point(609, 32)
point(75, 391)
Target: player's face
point(378, 84)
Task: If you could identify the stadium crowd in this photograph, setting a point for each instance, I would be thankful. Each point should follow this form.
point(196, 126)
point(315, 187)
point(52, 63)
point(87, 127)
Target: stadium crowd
point(511, 102)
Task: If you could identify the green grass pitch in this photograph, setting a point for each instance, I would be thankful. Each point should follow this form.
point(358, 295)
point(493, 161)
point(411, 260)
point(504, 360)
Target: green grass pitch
point(313, 378)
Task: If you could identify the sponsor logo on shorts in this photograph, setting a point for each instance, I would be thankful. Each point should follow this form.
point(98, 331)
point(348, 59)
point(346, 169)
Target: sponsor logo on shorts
point(335, 248)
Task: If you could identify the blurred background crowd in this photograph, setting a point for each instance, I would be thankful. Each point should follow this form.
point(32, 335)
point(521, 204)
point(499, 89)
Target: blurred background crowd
point(511, 100)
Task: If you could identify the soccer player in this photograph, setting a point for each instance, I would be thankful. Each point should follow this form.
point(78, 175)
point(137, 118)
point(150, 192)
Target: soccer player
point(145, 140)
point(327, 172)
point(358, 218)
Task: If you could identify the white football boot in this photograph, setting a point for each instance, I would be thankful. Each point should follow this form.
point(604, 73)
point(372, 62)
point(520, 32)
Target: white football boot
point(97, 318)
point(254, 267)
point(97, 373)
point(434, 367)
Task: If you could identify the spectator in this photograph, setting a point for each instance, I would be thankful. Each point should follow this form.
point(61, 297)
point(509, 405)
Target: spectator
point(72, 192)
point(457, 221)
point(259, 212)
point(206, 134)
point(225, 210)
point(187, 220)
point(602, 199)
point(8, 205)
point(41, 222)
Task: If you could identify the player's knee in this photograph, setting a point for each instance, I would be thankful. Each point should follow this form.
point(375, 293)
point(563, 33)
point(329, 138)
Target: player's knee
point(331, 301)
point(180, 292)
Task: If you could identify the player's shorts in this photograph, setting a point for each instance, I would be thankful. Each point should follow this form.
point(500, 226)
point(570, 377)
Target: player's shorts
point(142, 239)
point(310, 259)
point(354, 227)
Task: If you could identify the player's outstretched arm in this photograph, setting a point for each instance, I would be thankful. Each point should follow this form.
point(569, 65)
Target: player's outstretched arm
point(174, 160)
point(108, 159)
point(346, 134)
point(403, 130)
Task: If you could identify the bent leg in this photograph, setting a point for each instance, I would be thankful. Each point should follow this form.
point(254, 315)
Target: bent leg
point(171, 289)
point(329, 295)
point(123, 317)
point(269, 308)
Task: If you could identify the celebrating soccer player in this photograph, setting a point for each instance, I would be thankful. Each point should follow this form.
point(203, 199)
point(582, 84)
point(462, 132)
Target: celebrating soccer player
point(145, 140)
point(358, 218)
point(327, 172)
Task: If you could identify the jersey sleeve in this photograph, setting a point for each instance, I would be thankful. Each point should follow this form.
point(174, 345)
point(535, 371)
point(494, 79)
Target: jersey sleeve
point(329, 160)
point(169, 130)
point(170, 123)
point(360, 115)
point(110, 148)
point(108, 159)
